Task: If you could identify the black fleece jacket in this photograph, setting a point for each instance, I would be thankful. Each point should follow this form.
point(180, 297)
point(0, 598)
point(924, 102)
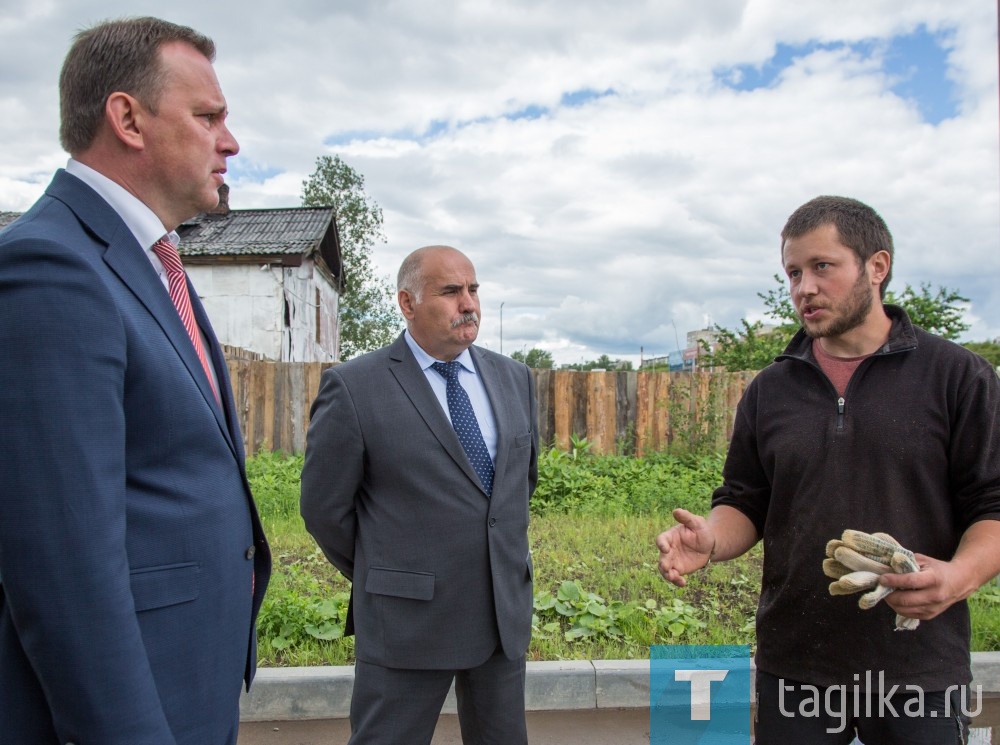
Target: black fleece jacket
point(911, 449)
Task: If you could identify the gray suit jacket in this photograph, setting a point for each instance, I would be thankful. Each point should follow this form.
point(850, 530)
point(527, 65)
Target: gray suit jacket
point(441, 572)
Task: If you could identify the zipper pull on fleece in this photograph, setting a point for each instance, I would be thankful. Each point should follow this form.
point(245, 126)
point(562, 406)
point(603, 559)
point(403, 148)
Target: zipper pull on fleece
point(840, 406)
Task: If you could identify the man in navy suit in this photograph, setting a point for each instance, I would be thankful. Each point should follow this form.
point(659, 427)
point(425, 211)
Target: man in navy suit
point(132, 560)
point(431, 530)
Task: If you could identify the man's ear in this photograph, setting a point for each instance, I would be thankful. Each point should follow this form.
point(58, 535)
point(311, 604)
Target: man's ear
point(406, 304)
point(124, 115)
point(879, 264)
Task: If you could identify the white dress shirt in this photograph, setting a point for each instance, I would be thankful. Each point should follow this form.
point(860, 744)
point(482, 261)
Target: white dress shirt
point(141, 221)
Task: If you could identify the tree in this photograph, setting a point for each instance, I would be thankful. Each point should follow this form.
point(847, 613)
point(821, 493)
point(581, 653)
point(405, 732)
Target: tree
point(755, 346)
point(987, 349)
point(367, 317)
point(752, 347)
point(601, 363)
point(534, 357)
point(939, 314)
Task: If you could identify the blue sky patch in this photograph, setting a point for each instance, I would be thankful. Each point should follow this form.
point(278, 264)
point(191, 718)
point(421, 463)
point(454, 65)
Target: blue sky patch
point(917, 63)
point(532, 111)
point(351, 135)
point(572, 99)
point(751, 77)
point(436, 127)
point(241, 168)
point(583, 96)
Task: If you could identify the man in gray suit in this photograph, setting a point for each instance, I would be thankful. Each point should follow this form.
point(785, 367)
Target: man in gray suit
point(429, 520)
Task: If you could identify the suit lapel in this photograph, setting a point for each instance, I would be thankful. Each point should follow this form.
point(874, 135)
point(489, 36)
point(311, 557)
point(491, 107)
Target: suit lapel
point(500, 402)
point(414, 383)
point(226, 415)
point(126, 258)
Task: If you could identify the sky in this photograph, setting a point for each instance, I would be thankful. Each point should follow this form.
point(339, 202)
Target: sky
point(618, 171)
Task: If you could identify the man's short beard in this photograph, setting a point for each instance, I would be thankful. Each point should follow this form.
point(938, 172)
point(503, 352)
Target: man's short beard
point(854, 310)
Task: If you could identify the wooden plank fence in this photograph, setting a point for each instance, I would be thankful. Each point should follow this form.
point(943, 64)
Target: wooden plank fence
point(624, 411)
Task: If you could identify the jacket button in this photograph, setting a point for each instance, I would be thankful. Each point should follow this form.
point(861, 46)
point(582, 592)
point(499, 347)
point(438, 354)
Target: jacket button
point(251, 551)
point(493, 521)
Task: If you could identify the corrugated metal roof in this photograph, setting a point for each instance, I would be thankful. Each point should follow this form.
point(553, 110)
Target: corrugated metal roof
point(294, 230)
point(286, 231)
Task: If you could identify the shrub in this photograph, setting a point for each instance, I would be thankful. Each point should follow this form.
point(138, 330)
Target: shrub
point(620, 485)
point(274, 478)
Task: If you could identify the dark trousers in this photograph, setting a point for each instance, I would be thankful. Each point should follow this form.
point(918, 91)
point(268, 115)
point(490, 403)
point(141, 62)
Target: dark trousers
point(401, 707)
point(793, 712)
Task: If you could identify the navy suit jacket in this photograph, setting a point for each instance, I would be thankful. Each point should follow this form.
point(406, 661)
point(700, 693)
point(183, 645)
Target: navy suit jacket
point(132, 560)
point(441, 572)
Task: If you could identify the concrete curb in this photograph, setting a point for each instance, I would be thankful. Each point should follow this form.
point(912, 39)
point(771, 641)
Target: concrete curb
point(296, 693)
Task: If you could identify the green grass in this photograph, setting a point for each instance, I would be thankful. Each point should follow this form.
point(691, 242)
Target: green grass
point(984, 608)
point(597, 592)
point(614, 557)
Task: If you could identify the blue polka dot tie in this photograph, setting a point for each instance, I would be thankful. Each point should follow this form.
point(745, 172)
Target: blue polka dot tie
point(463, 419)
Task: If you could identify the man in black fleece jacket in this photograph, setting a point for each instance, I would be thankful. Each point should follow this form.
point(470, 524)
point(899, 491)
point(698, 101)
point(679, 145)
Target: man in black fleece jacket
point(864, 422)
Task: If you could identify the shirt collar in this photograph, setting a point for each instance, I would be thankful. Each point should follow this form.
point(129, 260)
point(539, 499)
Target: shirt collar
point(139, 219)
point(425, 360)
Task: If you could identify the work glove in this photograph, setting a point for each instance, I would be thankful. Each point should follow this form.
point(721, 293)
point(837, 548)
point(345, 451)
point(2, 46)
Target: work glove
point(856, 560)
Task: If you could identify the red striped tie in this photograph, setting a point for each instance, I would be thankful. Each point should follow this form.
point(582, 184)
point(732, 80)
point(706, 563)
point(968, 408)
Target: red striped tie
point(177, 282)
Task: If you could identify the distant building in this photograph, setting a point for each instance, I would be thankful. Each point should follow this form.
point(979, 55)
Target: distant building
point(673, 362)
point(270, 279)
point(709, 336)
point(696, 343)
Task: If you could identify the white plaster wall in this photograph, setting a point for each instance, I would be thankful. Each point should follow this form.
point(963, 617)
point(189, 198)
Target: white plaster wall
point(303, 342)
point(246, 305)
point(329, 300)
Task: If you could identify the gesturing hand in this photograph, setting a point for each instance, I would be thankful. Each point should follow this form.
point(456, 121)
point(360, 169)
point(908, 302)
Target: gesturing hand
point(684, 548)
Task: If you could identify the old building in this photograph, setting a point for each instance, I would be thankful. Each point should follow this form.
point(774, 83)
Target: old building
point(270, 279)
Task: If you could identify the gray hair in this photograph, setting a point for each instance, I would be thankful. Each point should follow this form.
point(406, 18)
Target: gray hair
point(411, 271)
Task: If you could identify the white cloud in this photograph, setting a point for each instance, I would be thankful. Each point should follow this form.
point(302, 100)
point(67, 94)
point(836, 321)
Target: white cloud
point(602, 226)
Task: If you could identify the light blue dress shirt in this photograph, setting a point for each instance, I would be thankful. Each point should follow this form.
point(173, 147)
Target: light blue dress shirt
point(469, 378)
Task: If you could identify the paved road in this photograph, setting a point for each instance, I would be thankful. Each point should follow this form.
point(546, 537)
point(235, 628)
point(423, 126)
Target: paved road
point(589, 727)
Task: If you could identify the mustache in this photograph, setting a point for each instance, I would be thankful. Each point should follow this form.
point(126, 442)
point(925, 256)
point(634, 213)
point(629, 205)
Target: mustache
point(472, 317)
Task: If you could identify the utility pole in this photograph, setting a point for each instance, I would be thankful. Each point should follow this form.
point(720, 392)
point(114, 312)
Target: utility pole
point(501, 328)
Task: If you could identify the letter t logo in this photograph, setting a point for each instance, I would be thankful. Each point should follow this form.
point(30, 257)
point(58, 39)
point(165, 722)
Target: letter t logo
point(701, 690)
